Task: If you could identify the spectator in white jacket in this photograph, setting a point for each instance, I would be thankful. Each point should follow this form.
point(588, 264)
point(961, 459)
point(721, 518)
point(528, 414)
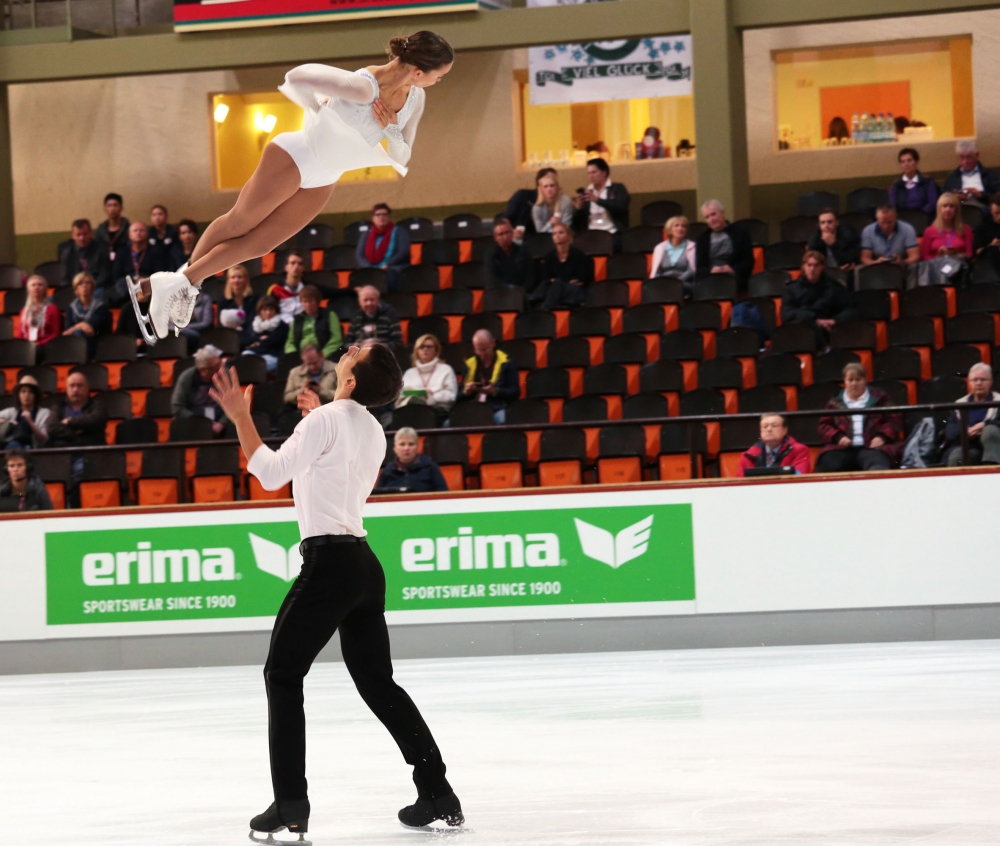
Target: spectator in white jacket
point(674, 256)
point(430, 380)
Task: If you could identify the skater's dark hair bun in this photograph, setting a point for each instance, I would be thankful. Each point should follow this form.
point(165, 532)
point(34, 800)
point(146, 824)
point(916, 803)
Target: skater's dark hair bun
point(425, 50)
point(378, 378)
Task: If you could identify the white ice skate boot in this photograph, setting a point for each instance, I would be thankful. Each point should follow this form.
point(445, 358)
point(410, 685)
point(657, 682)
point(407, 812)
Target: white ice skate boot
point(172, 297)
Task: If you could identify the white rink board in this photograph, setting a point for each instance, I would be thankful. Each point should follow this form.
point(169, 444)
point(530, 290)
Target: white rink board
point(887, 541)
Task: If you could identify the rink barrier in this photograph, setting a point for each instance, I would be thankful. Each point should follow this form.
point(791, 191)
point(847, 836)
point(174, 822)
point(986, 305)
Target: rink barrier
point(691, 421)
point(806, 559)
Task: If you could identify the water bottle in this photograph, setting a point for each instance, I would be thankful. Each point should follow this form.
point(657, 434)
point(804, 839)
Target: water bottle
point(890, 126)
point(855, 128)
point(864, 136)
point(881, 136)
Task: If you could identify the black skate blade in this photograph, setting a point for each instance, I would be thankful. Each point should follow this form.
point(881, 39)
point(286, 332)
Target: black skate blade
point(438, 827)
point(146, 327)
point(271, 840)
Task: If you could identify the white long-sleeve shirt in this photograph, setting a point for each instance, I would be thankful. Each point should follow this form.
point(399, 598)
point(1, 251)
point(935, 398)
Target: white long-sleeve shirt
point(333, 460)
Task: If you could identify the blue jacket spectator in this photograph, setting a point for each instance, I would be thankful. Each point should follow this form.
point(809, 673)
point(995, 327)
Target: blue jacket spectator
point(86, 316)
point(384, 245)
point(410, 471)
point(913, 190)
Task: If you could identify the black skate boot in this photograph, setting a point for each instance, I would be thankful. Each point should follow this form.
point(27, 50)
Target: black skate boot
point(423, 812)
point(293, 816)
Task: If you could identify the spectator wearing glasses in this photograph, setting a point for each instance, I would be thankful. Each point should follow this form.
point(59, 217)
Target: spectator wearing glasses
point(429, 381)
point(776, 448)
point(410, 471)
point(113, 232)
point(859, 441)
point(972, 182)
point(837, 241)
point(913, 190)
point(507, 262)
point(984, 423)
point(384, 245)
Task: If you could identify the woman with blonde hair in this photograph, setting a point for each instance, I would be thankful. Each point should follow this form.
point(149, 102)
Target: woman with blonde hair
point(430, 381)
point(674, 256)
point(239, 303)
point(86, 315)
point(552, 205)
point(947, 235)
point(40, 319)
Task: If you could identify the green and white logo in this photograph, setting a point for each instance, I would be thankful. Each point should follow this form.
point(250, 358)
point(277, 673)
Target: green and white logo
point(431, 561)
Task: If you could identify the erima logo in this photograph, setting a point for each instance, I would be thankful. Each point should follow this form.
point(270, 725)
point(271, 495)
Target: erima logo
point(479, 552)
point(273, 559)
point(157, 566)
point(614, 550)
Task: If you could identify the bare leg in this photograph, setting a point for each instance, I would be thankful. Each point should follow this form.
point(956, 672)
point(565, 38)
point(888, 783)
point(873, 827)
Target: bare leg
point(284, 221)
point(275, 180)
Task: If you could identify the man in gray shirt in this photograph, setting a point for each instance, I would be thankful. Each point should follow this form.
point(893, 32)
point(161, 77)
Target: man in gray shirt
point(889, 240)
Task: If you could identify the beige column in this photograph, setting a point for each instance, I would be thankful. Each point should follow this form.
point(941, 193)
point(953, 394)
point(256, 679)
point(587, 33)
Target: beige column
point(719, 107)
point(8, 249)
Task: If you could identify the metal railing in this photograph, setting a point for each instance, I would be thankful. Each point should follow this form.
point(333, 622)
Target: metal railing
point(690, 422)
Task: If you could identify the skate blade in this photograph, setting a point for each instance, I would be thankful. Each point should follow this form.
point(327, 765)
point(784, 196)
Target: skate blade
point(271, 840)
point(438, 827)
point(146, 327)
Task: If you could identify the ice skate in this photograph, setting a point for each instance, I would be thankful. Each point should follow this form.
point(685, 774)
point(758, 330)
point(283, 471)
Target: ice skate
point(292, 817)
point(171, 297)
point(424, 813)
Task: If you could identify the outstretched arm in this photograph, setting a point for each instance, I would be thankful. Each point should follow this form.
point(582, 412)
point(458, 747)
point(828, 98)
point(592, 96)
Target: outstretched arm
point(306, 85)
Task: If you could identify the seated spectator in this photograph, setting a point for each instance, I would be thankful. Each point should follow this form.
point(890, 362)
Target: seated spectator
point(859, 441)
point(266, 333)
point(239, 303)
point(972, 182)
point(24, 484)
point(202, 318)
point(837, 241)
point(78, 420)
point(521, 206)
point(430, 381)
point(374, 321)
point(40, 321)
point(506, 262)
point(604, 205)
point(984, 423)
point(187, 240)
point(83, 254)
point(86, 316)
point(384, 245)
point(674, 256)
point(776, 448)
point(890, 240)
point(161, 233)
point(817, 300)
point(314, 325)
point(723, 247)
point(191, 396)
point(316, 375)
point(410, 471)
point(947, 235)
point(113, 233)
point(287, 292)
point(25, 424)
point(913, 190)
point(552, 205)
point(490, 376)
point(986, 240)
point(139, 259)
point(651, 146)
point(566, 273)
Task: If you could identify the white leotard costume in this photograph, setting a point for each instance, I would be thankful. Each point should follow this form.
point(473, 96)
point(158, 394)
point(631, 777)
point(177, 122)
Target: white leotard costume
point(339, 131)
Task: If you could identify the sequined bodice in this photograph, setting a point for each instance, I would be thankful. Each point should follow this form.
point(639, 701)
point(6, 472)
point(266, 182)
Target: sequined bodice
point(359, 115)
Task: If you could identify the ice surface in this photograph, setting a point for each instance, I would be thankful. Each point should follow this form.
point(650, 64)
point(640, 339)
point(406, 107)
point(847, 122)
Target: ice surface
point(871, 744)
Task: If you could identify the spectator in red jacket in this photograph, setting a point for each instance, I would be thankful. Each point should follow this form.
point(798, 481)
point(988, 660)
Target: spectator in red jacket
point(859, 441)
point(40, 319)
point(776, 448)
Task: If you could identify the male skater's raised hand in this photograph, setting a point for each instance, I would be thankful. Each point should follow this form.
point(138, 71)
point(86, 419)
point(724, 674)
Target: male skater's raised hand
point(237, 403)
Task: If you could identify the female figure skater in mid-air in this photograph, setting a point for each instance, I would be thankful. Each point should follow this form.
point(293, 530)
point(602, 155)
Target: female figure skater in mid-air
point(346, 117)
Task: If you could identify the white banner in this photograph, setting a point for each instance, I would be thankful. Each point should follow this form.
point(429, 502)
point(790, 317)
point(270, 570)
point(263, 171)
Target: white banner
point(795, 545)
point(625, 69)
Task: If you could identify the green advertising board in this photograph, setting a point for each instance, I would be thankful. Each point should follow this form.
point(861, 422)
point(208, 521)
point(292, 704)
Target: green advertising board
point(572, 556)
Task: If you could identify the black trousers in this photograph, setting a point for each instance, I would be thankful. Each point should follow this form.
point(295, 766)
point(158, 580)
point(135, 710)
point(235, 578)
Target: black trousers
point(850, 458)
point(341, 586)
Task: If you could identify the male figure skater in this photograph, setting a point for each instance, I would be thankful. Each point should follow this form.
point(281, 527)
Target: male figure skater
point(333, 459)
